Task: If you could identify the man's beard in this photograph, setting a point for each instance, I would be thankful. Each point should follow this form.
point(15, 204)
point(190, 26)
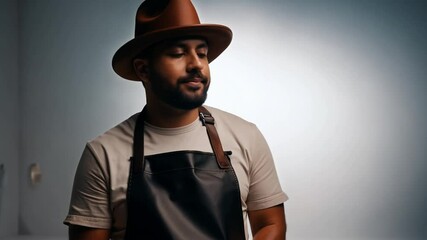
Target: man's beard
point(174, 95)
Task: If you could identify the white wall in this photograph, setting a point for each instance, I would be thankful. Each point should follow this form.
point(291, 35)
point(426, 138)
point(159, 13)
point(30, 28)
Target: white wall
point(339, 90)
point(337, 87)
point(9, 118)
point(69, 95)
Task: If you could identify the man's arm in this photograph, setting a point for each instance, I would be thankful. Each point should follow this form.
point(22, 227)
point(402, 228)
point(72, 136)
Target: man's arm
point(84, 233)
point(269, 223)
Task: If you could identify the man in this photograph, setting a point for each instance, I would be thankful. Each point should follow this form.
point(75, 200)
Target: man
point(177, 170)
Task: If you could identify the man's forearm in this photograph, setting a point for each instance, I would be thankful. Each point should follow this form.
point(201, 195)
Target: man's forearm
point(271, 232)
point(269, 223)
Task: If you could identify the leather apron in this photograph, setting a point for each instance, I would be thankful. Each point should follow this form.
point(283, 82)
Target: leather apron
point(184, 194)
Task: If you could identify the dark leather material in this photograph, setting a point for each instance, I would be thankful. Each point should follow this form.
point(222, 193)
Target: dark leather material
point(182, 195)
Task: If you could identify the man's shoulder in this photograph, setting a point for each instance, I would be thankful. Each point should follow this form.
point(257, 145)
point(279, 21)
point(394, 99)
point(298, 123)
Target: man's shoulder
point(122, 133)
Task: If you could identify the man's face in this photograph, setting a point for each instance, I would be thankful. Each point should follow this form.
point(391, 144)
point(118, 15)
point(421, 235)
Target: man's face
point(178, 73)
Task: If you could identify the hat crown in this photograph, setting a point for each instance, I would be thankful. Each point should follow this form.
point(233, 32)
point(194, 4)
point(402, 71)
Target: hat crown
point(155, 15)
point(158, 20)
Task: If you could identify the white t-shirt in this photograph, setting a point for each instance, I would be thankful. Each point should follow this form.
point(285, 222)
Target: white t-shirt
point(99, 191)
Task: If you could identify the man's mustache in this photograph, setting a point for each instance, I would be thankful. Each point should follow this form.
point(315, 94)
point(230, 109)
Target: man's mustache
point(190, 78)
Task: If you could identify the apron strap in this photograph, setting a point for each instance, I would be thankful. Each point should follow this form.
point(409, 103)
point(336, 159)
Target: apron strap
point(208, 121)
point(137, 160)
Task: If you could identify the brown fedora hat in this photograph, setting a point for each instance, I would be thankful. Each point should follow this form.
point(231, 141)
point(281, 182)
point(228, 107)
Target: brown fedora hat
point(158, 20)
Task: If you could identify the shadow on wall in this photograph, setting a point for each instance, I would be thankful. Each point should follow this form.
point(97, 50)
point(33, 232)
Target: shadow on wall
point(1, 186)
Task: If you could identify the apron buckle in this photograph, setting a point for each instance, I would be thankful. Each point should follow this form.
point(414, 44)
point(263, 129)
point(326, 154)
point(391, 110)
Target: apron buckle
point(206, 118)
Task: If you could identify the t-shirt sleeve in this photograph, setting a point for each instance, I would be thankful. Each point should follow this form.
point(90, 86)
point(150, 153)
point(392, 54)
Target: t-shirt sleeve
point(89, 205)
point(264, 186)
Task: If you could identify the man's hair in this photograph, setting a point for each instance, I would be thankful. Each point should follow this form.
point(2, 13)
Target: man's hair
point(147, 53)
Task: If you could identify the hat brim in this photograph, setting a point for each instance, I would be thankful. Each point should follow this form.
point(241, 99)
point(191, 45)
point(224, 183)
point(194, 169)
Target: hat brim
point(218, 38)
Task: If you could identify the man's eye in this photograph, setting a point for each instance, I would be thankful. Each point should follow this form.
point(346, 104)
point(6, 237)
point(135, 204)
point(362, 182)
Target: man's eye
point(202, 55)
point(176, 55)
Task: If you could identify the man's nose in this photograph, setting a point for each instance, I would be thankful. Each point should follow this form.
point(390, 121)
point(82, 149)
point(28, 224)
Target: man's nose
point(194, 62)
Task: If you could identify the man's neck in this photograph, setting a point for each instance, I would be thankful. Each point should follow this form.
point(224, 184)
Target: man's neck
point(169, 117)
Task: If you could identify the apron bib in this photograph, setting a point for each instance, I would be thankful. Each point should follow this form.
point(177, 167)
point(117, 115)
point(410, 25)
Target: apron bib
point(184, 194)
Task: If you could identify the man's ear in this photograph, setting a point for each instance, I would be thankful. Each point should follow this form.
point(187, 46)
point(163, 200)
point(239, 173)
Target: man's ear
point(141, 69)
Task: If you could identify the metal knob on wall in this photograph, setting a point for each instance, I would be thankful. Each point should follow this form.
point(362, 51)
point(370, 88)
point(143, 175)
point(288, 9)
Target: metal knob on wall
point(35, 174)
